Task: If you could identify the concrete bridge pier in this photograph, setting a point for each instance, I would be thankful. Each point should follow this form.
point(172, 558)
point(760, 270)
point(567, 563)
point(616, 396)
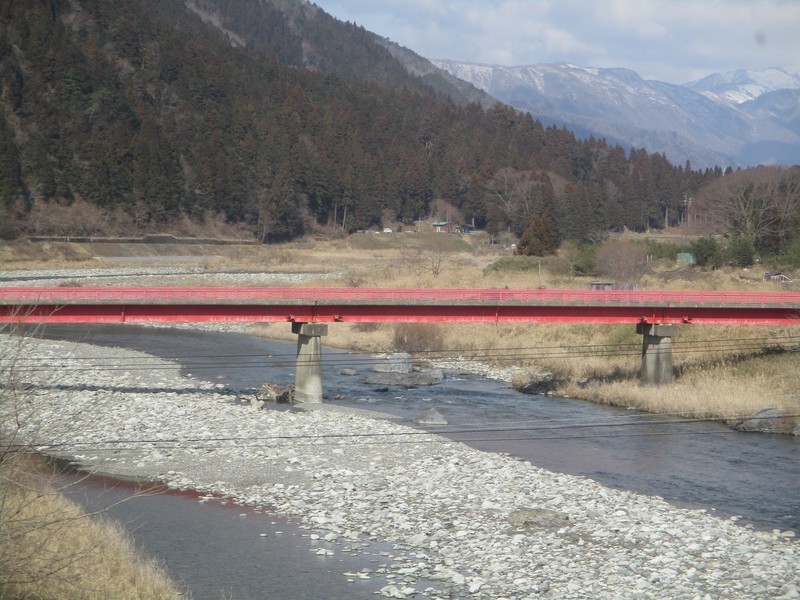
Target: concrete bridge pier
point(656, 352)
point(308, 368)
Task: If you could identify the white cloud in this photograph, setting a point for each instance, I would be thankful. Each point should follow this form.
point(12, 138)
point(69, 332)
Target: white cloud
point(671, 40)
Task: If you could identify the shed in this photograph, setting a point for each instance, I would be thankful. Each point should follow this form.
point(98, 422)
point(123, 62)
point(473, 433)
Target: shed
point(777, 276)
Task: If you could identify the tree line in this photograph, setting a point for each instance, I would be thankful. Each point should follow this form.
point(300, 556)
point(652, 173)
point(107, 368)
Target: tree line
point(141, 113)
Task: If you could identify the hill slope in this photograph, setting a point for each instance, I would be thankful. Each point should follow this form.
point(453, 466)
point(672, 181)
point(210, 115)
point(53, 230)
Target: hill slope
point(137, 116)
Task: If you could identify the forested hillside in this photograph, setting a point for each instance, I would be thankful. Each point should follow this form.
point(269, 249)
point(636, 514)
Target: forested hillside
point(135, 114)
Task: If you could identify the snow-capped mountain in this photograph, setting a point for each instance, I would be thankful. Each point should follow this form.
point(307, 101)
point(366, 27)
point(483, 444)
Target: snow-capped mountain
point(740, 86)
point(727, 119)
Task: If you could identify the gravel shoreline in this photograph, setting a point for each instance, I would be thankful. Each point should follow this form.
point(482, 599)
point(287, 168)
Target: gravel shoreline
point(161, 276)
point(469, 524)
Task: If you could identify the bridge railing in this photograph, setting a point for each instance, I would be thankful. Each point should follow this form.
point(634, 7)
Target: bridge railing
point(266, 295)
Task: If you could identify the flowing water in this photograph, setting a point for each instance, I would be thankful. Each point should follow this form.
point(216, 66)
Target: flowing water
point(219, 550)
point(691, 464)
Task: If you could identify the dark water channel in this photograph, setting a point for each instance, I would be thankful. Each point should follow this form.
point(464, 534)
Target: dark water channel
point(690, 464)
point(219, 550)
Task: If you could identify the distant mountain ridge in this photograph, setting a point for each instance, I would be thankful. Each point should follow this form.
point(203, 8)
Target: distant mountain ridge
point(737, 87)
point(743, 118)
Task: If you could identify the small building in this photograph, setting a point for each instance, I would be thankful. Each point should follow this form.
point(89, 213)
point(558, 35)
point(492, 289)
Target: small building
point(777, 277)
point(606, 286)
point(441, 226)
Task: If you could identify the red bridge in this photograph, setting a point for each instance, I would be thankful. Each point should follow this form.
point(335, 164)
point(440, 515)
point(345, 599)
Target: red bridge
point(320, 305)
point(655, 313)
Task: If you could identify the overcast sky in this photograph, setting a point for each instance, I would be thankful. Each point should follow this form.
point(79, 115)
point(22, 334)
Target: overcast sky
point(669, 40)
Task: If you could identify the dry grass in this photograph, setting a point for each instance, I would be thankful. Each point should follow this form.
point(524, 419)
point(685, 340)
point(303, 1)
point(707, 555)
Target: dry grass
point(726, 392)
point(51, 549)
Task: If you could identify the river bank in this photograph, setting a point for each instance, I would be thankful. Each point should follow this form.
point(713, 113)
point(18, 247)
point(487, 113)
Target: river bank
point(53, 547)
point(476, 524)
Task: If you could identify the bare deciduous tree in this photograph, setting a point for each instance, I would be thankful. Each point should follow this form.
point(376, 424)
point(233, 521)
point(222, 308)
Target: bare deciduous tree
point(442, 210)
point(518, 196)
point(437, 252)
point(622, 261)
point(570, 254)
point(787, 209)
point(755, 204)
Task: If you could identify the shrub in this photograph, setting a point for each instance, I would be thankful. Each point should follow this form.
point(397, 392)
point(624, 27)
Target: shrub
point(514, 263)
point(621, 261)
point(707, 252)
point(418, 337)
point(793, 254)
point(741, 252)
point(577, 257)
point(666, 250)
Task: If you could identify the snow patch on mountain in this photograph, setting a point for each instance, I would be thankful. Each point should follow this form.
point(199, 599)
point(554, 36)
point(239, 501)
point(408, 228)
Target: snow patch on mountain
point(737, 87)
point(741, 118)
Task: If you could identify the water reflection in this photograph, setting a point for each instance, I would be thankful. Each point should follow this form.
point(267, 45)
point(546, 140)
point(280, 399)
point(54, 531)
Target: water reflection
point(219, 549)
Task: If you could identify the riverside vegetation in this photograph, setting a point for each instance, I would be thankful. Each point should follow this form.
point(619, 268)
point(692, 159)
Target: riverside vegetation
point(50, 547)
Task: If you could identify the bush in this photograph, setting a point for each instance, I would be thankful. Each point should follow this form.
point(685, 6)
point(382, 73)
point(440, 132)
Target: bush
point(515, 263)
point(577, 257)
point(666, 250)
point(621, 261)
point(418, 337)
point(707, 252)
point(793, 254)
point(741, 252)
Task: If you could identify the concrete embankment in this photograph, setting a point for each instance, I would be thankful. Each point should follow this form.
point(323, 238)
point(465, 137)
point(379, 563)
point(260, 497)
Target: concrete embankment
point(475, 524)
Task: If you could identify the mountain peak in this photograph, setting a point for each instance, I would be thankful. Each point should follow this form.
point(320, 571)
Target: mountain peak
point(711, 122)
point(742, 85)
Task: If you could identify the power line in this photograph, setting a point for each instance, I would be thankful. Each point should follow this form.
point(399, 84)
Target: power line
point(249, 360)
point(396, 437)
point(33, 364)
point(677, 343)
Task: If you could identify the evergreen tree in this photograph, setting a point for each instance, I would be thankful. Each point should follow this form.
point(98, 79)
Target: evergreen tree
point(539, 239)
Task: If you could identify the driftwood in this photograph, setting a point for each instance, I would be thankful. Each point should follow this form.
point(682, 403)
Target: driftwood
point(276, 394)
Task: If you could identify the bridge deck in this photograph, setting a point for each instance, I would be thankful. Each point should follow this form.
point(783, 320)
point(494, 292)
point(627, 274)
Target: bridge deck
point(118, 304)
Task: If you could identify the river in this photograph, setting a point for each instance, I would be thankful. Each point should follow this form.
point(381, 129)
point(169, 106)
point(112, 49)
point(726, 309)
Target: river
point(691, 464)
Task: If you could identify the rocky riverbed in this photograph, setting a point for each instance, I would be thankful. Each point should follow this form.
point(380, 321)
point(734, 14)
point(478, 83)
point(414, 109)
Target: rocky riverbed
point(464, 523)
point(149, 275)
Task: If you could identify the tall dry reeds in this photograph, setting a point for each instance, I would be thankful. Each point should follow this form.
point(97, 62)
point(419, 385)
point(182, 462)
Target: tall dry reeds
point(729, 393)
point(50, 548)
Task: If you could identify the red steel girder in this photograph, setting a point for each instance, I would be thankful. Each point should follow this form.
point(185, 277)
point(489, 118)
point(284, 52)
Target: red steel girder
point(284, 295)
point(157, 304)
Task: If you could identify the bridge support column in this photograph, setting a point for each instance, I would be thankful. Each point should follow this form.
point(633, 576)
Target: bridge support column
point(308, 368)
point(656, 352)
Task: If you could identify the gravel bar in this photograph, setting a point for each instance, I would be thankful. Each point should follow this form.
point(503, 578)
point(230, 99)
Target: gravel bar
point(154, 276)
point(469, 524)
